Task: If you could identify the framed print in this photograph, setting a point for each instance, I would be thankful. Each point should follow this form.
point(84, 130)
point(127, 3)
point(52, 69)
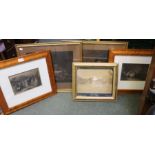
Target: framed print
point(94, 81)
point(98, 51)
point(133, 66)
point(63, 54)
point(26, 80)
point(148, 96)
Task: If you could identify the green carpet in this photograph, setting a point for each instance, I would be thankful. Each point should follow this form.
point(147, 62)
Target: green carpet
point(62, 104)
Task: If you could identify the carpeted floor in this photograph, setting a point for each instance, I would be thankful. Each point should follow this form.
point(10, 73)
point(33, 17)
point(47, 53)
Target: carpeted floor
point(62, 104)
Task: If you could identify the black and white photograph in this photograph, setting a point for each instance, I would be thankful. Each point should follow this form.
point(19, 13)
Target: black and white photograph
point(95, 55)
point(134, 72)
point(62, 62)
point(25, 81)
point(94, 82)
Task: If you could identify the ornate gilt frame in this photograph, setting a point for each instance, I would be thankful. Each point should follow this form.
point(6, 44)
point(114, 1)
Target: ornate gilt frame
point(93, 65)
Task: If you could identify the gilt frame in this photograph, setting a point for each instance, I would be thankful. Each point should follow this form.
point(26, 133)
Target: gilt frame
point(75, 47)
point(112, 66)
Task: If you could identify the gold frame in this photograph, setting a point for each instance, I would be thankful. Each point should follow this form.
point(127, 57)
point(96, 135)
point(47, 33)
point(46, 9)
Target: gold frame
point(101, 46)
point(77, 57)
point(99, 42)
point(91, 65)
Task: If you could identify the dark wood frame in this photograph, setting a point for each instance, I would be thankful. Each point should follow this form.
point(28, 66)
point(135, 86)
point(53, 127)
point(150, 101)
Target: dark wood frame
point(76, 47)
point(143, 106)
point(129, 52)
point(28, 58)
point(103, 45)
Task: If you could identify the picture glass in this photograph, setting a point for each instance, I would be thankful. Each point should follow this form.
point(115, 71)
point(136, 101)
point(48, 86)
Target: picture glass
point(25, 81)
point(62, 61)
point(134, 72)
point(95, 56)
point(94, 82)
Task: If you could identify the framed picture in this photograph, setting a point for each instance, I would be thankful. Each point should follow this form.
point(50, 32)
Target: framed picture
point(63, 54)
point(98, 51)
point(148, 96)
point(25, 80)
point(94, 81)
point(133, 66)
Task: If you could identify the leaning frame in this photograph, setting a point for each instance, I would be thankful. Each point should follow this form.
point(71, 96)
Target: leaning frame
point(144, 106)
point(102, 47)
point(91, 65)
point(22, 60)
point(130, 52)
point(23, 49)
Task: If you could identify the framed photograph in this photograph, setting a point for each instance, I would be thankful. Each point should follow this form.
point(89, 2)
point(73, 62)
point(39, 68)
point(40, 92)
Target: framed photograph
point(148, 96)
point(133, 66)
point(63, 54)
point(98, 51)
point(94, 81)
point(25, 80)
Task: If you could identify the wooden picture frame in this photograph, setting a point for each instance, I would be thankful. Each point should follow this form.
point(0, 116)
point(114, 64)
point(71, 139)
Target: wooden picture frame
point(133, 66)
point(63, 54)
point(98, 51)
point(148, 91)
point(89, 84)
point(26, 80)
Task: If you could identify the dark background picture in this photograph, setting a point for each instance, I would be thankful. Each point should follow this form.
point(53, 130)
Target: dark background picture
point(95, 55)
point(134, 72)
point(62, 62)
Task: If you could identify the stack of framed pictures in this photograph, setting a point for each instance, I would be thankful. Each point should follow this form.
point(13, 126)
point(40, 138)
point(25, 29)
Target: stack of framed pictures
point(98, 51)
point(148, 96)
point(132, 68)
point(26, 80)
point(63, 54)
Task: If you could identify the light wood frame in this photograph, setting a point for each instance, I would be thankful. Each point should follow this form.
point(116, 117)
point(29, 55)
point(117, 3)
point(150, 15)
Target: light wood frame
point(101, 46)
point(94, 66)
point(143, 106)
point(21, 60)
point(75, 46)
point(130, 52)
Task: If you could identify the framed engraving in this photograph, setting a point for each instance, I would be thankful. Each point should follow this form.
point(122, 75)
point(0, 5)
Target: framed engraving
point(26, 80)
point(133, 66)
point(63, 54)
point(94, 81)
point(98, 51)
